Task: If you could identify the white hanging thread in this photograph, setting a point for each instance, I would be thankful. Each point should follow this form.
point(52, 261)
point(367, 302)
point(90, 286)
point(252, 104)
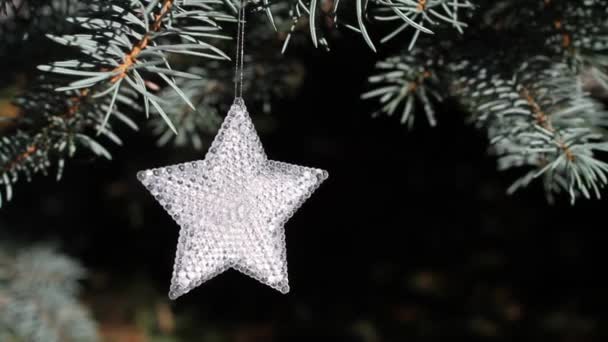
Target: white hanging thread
point(240, 52)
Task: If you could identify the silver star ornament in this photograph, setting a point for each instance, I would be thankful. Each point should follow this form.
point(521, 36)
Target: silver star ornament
point(231, 207)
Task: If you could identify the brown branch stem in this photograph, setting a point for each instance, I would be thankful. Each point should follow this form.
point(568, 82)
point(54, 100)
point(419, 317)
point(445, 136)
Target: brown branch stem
point(131, 57)
point(543, 120)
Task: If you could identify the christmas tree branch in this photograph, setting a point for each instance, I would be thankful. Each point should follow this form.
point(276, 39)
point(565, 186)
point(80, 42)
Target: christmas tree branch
point(137, 45)
point(541, 118)
point(119, 44)
point(49, 129)
point(539, 114)
point(404, 81)
point(420, 15)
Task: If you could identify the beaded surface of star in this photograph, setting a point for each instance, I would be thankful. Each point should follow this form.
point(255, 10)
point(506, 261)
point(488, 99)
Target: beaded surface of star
point(231, 207)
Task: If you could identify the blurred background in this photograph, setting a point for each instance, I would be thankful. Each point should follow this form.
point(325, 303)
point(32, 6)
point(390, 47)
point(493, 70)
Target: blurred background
point(412, 238)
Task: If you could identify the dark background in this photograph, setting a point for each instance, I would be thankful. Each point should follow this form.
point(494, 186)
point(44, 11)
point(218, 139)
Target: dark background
point(411, 238)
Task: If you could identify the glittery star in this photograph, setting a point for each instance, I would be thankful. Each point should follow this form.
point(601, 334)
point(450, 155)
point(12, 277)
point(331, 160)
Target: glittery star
point(231, 207)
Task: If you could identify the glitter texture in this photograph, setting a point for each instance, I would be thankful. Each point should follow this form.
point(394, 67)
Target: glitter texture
point(231, 207)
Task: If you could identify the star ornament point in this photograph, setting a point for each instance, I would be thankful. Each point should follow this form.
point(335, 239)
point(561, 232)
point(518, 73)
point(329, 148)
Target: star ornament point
point(231, 207)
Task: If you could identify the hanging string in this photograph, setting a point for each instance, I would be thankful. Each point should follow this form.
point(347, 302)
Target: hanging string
point(240, 52)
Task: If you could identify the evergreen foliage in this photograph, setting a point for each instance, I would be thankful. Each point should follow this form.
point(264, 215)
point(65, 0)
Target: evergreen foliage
point(521, 68)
